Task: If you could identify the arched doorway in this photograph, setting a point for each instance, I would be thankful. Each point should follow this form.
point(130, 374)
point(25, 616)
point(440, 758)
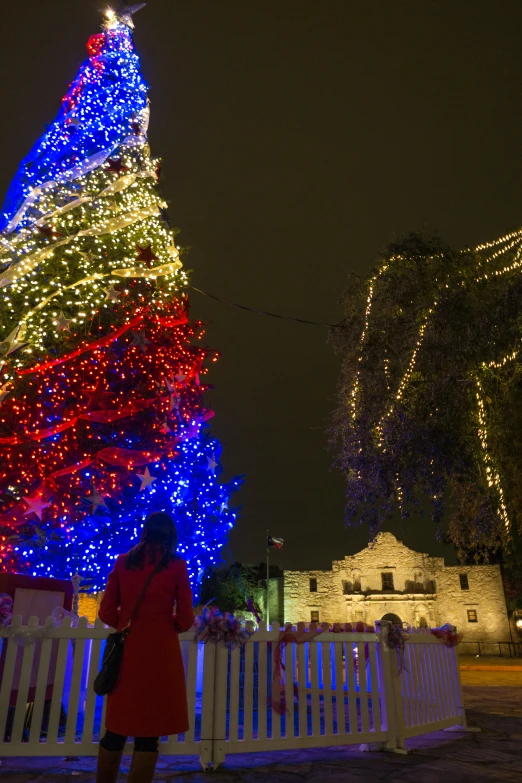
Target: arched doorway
point(391, 618)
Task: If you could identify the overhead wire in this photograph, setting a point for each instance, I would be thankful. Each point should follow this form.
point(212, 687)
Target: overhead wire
point(265, 312)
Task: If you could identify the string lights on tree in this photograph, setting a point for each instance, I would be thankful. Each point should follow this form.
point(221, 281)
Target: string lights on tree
point(102, 373)
point(431, 362)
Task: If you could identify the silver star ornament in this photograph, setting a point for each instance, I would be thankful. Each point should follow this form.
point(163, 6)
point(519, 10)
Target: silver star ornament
point(62, 323)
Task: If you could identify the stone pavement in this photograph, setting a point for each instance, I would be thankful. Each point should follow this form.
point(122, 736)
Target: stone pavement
point(456, 757)
point(493, 663)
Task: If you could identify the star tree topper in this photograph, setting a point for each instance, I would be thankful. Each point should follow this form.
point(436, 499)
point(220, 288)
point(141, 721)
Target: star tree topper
point(122, 13)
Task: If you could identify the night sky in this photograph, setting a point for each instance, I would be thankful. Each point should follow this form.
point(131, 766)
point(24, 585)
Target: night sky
point(298, 137)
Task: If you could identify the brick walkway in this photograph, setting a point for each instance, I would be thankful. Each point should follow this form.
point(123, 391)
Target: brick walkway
point(492, 755)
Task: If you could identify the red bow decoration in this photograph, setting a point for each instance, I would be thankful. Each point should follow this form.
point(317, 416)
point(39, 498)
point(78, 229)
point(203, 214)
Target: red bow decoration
point(448, 635)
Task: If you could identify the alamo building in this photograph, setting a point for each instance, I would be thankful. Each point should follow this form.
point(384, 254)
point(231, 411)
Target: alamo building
point(388, 580)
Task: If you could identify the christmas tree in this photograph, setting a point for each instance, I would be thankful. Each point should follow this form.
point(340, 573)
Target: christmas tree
point(102, 418)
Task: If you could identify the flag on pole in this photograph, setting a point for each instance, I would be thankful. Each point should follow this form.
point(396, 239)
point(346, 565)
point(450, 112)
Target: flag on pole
point(277, 543)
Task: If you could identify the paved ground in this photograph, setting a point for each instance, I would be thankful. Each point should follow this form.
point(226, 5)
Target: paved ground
point(493, 701)
point(489, 662)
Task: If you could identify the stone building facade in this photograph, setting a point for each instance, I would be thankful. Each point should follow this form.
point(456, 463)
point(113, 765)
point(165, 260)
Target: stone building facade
point(387, 578)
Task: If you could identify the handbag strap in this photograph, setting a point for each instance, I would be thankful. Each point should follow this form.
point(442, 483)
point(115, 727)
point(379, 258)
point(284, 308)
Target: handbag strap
point(144, 590)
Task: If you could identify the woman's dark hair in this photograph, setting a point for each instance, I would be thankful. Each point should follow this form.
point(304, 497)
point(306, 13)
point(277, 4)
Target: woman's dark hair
point(158, 539)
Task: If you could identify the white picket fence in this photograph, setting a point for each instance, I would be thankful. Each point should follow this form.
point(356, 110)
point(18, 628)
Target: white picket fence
point(335, 689)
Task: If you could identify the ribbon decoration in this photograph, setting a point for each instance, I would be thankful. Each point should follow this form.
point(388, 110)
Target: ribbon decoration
point(103, 341)
point(287, 636)
point(448, 634)
point(89, 164)
point(124, 220)
point(395, 641)
point(114, 456)
point(124, 458)
point(98, 416)
point(137, 271)
point(122, 183)
point(215, 626)
point(77, 171)
point(117, 457)
point(19, 269)
point(62, 210)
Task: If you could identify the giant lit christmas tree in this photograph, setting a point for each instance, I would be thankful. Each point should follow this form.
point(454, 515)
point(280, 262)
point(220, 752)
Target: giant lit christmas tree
point(102, 417)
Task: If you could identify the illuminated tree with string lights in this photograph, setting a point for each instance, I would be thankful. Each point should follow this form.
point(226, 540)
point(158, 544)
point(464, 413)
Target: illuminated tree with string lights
point(102, 418)
point(431, 391)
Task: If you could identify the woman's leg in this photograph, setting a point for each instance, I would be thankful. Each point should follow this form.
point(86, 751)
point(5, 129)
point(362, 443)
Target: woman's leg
point(144, 760)
point(109, 757)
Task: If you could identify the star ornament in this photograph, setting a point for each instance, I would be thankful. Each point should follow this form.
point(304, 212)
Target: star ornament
point(62, 323)
point(146, 254)
point(139, 339)
point(98, 398)
point(11, 343)
point(212, 464)
point(4, 391)
point(112, 294)
point(49, 232)
point(116, 165)
point(35, 506)
point(146, 479)
point(174, 398)
point(96, 500)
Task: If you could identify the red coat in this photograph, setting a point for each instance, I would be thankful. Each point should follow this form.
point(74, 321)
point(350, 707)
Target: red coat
point(150, 697)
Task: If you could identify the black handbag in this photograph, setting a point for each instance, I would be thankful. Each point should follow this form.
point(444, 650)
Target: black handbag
point(107, 677)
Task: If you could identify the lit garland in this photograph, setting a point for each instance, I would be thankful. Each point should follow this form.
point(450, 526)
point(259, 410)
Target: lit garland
point(509, 242)
point(492, 475)
point(380, 391)
point(101, 372)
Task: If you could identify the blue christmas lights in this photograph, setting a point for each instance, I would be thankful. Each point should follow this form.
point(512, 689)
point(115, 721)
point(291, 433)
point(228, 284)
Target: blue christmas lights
point(97, 114)
point(187, 489)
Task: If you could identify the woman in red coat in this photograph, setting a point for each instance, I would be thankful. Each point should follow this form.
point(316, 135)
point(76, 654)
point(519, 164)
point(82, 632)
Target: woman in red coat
point(149, 700)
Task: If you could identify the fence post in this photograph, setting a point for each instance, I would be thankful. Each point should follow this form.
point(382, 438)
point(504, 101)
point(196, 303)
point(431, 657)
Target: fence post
point(219, 706)
point(207, 706)
point(393, 695)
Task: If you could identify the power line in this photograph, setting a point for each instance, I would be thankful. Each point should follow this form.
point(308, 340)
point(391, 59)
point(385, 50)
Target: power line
point(264, 312)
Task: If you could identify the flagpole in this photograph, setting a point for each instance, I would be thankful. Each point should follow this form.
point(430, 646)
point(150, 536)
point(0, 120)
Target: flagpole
point(267, 583)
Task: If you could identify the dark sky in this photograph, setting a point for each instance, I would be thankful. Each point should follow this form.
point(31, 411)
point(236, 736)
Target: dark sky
point(298, 137)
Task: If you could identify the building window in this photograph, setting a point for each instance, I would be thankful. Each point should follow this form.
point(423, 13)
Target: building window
point(464, 584)
point(313, 585)
point(314, 616)
point(472, 616)
point(347, 588)
point(387, 581)
point(423, 623)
